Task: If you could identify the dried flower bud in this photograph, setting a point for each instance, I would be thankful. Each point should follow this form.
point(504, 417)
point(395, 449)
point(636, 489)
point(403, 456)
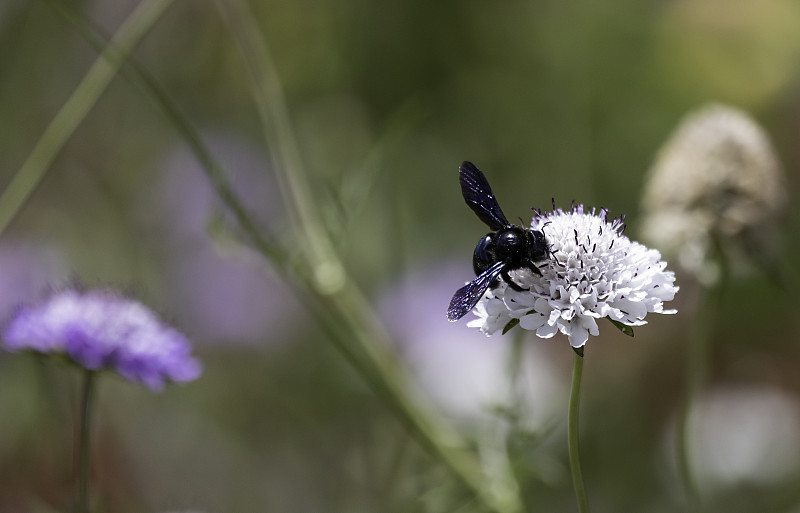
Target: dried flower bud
point(716, 178)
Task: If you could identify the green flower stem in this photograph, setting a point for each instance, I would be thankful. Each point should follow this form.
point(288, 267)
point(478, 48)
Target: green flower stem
point(342, 312)
point(695, 376)
point(83, 443)
point(338, 304)
point(574, 454)
point(327, 271)
point(77, 106)
point(697, 355)
point(140, 77)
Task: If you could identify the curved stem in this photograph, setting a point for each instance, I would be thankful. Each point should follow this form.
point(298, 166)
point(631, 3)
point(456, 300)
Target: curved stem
point(342, 311)
point(574, 454)
point(77, 107)
point(336, 300)
point(82, 463)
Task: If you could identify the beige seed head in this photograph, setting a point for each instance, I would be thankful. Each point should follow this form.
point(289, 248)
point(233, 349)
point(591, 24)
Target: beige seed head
point(716, 177)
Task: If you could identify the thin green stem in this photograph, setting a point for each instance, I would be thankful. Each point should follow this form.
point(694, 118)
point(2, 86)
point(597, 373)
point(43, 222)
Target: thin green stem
point(342, 311)
point(84, 443)
point(695, 376)
point(574, 453)
point(697, 355)
point(337, 301)
point(77, 107)
point(140, 77)
point(327, 271)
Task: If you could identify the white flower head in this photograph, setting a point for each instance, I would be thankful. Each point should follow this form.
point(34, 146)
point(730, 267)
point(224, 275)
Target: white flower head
point(593, 271)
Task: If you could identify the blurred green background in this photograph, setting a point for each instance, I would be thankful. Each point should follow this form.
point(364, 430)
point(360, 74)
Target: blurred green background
point(551, 99)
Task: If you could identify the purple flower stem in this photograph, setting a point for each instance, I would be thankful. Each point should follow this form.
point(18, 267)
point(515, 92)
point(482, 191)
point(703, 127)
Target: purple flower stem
point(83, 441)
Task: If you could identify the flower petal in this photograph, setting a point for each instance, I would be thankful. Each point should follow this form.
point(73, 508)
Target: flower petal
point(593, 272)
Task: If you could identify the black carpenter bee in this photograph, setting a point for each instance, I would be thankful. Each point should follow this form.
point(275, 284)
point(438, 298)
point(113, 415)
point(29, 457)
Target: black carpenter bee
point(507, 248)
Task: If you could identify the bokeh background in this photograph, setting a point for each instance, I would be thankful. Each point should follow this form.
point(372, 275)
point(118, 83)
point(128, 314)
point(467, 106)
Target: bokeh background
point(552, 99)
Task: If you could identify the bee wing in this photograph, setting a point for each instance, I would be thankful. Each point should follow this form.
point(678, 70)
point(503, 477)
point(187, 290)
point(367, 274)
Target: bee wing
point(479, 196)
point(468, 296)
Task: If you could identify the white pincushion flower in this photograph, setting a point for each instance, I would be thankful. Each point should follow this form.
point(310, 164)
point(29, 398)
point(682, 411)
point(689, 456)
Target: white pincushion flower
point(594, 271)
point(492, 312)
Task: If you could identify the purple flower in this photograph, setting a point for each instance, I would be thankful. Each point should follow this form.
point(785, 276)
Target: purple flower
point(102, 329)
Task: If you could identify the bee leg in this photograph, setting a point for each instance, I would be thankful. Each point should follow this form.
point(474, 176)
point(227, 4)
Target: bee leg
point(504, 274)
point(528, 264)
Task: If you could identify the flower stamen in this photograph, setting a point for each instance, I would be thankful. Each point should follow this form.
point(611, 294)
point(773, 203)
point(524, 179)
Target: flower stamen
point(590, 274)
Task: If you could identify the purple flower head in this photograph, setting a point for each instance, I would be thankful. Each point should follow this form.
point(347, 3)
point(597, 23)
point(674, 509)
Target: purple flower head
point(102, 329)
